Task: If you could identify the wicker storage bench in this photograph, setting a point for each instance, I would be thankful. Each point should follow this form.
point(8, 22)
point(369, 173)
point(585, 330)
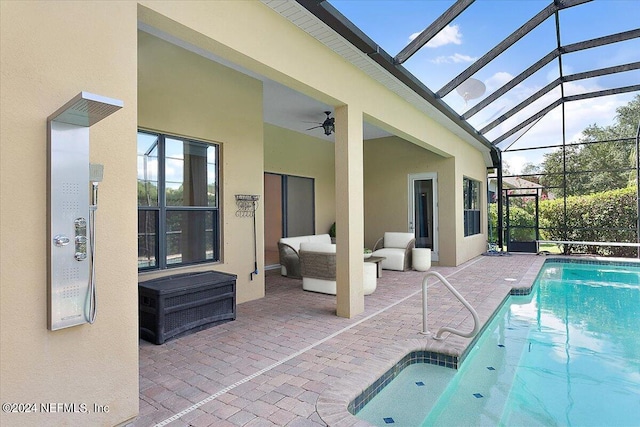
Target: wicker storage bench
point(176, 305)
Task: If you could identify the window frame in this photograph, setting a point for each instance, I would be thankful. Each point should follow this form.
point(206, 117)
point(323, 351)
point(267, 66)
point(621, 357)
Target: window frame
point(162, 209)
point(472, 216)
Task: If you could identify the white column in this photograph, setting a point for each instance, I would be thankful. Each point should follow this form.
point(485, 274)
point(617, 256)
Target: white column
point(349, 211)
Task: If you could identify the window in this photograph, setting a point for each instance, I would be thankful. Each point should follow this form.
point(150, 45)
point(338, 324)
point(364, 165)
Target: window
point(471, 193)
point(289, 210)
point(178, 206)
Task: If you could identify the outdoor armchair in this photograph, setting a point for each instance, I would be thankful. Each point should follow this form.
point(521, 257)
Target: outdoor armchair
point(396, 249)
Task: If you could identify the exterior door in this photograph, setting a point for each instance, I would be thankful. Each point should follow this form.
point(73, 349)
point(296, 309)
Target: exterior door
point(522, 222)
point(423, 212)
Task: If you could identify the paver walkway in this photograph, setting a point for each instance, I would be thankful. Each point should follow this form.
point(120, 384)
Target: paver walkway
point(288, 360)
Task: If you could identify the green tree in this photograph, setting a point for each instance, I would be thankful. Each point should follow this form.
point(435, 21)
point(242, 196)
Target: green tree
point(593, 166)
point(532, 171)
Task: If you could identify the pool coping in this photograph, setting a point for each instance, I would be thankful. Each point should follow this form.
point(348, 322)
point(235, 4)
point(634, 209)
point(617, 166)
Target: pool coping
point(335, 404)
point(338, 405)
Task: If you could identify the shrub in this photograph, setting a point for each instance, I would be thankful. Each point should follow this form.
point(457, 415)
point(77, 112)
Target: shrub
point(519, 217)
point(609, 216)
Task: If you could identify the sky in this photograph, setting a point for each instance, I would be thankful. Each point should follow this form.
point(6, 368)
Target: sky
point(393, 24)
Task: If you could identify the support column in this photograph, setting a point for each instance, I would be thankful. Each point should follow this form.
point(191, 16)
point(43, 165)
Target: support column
point(349, 211)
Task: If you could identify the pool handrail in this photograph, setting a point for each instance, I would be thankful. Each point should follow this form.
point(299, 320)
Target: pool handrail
point(474, 314)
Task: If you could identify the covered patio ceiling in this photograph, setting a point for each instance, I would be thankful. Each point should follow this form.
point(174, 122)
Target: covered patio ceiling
point(496, 69)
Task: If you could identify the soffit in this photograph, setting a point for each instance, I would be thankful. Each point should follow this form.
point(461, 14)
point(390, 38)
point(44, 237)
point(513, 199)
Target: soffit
point(418, 96)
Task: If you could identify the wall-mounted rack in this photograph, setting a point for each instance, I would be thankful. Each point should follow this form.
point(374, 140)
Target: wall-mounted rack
point(247, 206)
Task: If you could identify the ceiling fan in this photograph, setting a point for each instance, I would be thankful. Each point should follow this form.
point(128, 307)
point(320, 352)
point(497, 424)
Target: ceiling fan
point(328, 125)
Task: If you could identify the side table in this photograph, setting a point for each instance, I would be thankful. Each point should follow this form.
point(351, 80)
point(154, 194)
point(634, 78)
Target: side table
point(378, 260)
point(421, 259)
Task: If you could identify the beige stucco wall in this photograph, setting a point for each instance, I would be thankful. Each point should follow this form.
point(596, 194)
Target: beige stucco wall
point(470, 166)
point(279, 50)
point(293, 153)
point(50, 52)
point(185, 94)
point(387, 164)
point(276, 48)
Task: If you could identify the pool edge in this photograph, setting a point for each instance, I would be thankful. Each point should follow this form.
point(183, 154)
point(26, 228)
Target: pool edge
point(333, 404)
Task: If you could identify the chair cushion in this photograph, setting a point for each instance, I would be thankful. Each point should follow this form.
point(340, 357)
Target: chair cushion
point(394, 258)
point(397, 240)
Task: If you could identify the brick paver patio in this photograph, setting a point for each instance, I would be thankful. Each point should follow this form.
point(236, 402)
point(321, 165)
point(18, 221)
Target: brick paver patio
point(288, 360)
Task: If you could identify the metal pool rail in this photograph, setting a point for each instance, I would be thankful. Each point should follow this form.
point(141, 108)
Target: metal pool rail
point(425, 329)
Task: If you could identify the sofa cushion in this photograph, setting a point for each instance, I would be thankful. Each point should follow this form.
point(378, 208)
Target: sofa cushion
point(295, 242)
point(319, 285)
point(369, 282)
point(397, 240)
point(328, 248)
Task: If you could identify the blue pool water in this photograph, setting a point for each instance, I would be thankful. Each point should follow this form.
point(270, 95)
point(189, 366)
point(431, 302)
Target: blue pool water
point(568, 354)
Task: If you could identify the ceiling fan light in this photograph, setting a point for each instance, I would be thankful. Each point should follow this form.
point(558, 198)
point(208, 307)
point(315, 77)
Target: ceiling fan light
point(328, 128)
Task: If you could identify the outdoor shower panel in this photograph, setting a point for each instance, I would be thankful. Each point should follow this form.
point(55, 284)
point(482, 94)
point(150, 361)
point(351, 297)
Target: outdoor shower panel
point(72, 202)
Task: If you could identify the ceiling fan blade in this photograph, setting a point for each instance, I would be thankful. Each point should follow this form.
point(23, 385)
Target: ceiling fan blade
point(315, 123)
point(315, 127)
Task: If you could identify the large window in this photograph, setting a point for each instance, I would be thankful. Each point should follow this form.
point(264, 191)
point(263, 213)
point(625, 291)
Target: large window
point(471, 194)
point(178, 206)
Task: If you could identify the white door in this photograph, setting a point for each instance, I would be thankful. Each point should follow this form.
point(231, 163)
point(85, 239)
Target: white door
point(423, 211)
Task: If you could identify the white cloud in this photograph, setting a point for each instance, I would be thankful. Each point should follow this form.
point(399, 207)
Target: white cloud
point(516, 163)
point(448, 35)
point(458, 57)
point(497, 81)
point(453, 59)
point(548, 130)
point(440, 60)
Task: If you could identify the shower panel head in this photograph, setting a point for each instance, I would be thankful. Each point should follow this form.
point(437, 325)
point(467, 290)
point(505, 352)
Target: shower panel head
point(72, 196)
point(86, 109)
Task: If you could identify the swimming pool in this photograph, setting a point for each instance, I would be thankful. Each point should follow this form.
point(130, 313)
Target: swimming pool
point(567, 354)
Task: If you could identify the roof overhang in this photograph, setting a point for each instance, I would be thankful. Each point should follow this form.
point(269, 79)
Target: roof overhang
point(326, 24)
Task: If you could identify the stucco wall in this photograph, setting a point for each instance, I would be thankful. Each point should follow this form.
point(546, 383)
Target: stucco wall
point(50, 52)
point(387, 164)
point(469, 166)
point(276, 48)
point(185, 94)
point(294, 153)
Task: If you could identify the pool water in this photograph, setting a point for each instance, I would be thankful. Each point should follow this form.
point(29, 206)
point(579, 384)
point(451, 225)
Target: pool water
point(568, 354)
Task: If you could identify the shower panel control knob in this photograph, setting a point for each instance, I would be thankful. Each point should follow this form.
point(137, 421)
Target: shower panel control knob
point(60, 240)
